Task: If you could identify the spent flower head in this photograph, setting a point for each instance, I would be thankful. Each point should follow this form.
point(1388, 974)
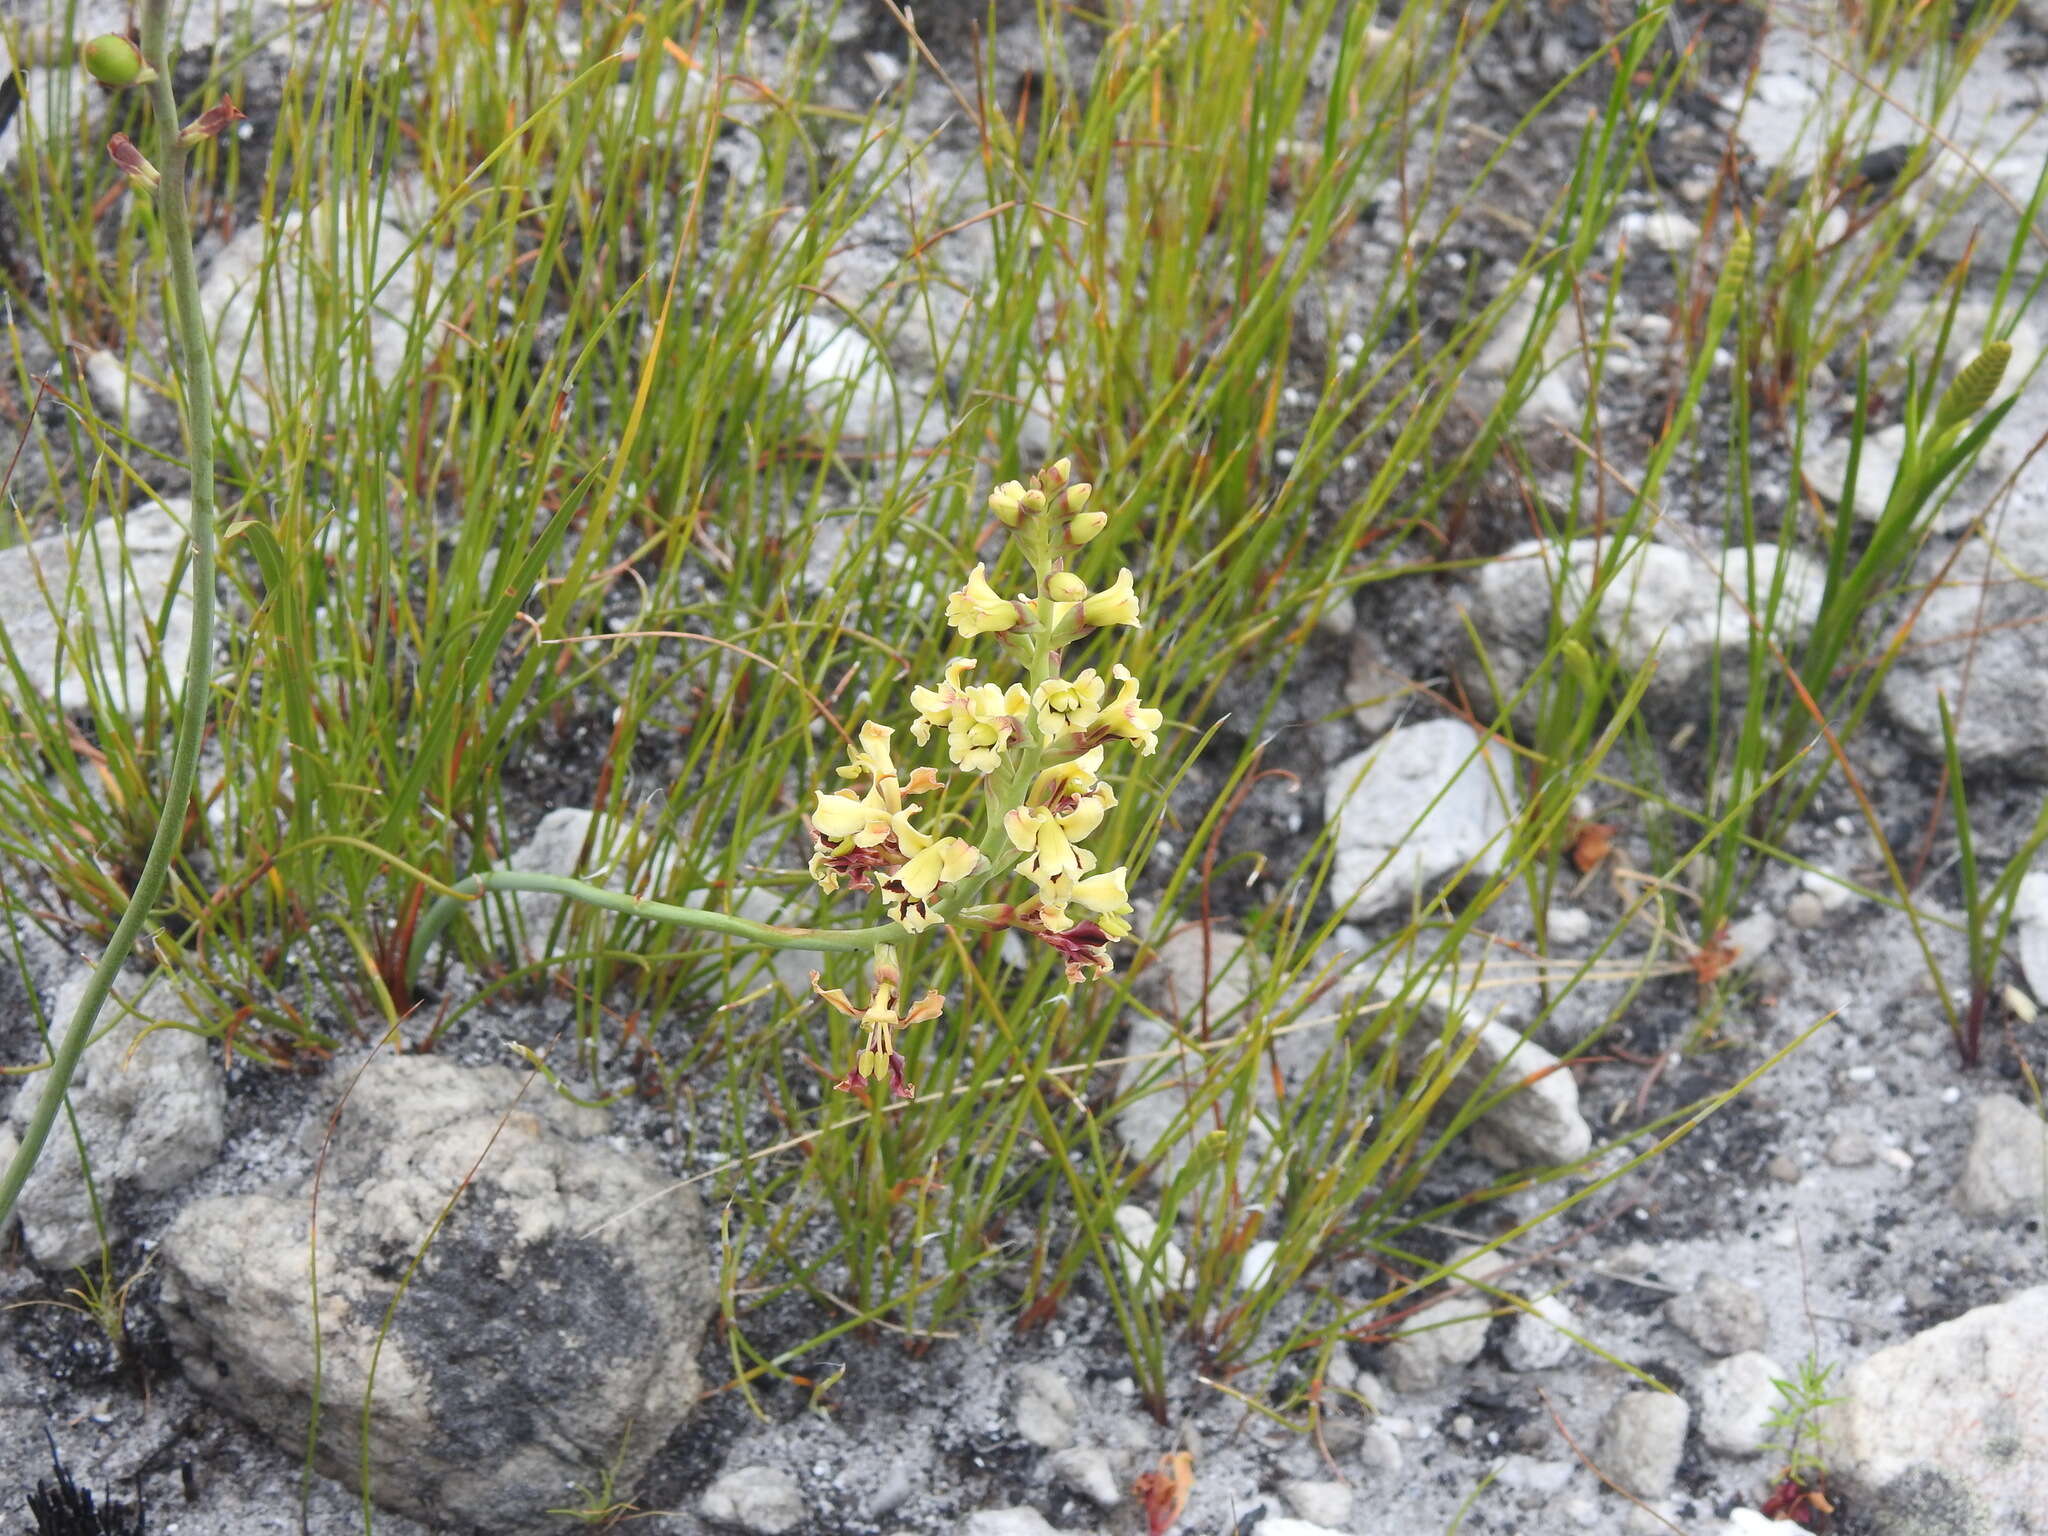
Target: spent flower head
point(1036, 750)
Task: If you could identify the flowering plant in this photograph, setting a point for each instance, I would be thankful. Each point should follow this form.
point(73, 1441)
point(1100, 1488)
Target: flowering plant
point(1036, 748)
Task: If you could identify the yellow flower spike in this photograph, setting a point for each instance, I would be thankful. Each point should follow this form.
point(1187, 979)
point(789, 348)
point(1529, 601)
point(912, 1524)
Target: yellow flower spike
point(1114, 604)
point(1065, 708)
point(1126, 718)
point(1066, 587)
point(976, 609)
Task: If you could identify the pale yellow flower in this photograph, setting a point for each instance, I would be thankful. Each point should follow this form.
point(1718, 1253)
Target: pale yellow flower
point(910, 890)
point(1066, 707)
point(1053, 854)
point(860, 830)
point(1105, 896)
point(1066, 803)
point(1116, 603)
point(878, 1056)
point(1124, 717)
point(980, 719)
point(977, 610)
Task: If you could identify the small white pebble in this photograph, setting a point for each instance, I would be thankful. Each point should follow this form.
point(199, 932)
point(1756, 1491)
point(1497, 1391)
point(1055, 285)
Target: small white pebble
point(1786, 1238)
point(1862, 1074)
point(1284, 458)
point(1353, 342)
point(1898, 1157)
point(1951, 1095)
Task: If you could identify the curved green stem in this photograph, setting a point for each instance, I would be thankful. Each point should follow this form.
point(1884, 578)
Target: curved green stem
point(193, 364)
point(768, 935)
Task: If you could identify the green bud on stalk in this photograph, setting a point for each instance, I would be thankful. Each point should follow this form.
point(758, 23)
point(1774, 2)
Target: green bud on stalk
point(113, 60)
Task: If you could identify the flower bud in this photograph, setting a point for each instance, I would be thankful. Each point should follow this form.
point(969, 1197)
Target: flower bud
point(142, 176)
point(1033, 501)
point(1053, 476)
point(1077, 497)
point(1085, 526)
point(211, 123)
point(113, 60)
point(1006, 501)
point(1065, 587)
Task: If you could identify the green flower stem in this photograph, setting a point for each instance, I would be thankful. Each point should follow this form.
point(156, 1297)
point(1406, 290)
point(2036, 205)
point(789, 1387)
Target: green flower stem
point(193, 367)
point(768, 935)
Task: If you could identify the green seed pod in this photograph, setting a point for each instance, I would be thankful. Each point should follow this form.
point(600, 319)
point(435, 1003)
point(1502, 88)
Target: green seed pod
point(113, 60)
point(1973, 387)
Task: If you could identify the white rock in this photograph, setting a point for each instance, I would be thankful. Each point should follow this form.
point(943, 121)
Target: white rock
point(1286, 1525)
point(105, 591)
point(1539, 1123)
point(1674, 605)
point(1751, 1522)
point(844, 383)
point(2005, 1172)
point(1537, 1340)
point(1751, 935)
point(1827, 468)
point(2030, 931)
point(1086, 1469)
point(531, 1354)
point(1660, 230)
point(1569, 925)
point(1982, 614)
point(1044, 1408)
point(1380, 1450)
point(1149, 1264)
point(1532, 1475)
point(1255, 1272)
point(1195, 983)
point(1422, 803)
point(1021, 1520)
point(1736, 1398)
point(764, 1500)
point(1722, 1316)
point(278, 294)
point(1642, 1441)
point(1947, 1422)
point(1318, 1502)
point(1449, 1334)
point(151, 1105)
